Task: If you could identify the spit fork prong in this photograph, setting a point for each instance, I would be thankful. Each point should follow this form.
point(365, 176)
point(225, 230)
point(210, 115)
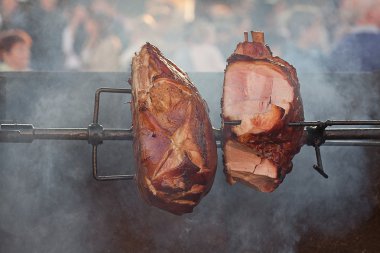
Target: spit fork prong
point(319, 166)
point(95, 131)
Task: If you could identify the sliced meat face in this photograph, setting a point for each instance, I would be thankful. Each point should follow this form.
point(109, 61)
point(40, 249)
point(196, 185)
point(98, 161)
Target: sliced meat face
point(262, 92)
point(243, 165)
point(257, 93)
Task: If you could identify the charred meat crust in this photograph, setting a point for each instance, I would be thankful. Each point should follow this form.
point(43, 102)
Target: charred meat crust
point(174, 144)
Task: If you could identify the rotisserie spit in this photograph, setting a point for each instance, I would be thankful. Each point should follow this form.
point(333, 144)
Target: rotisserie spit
point(175, 144)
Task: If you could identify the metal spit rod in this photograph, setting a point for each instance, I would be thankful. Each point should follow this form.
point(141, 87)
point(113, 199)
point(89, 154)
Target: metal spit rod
point(26, 133)
point(95, 135)
point(336, 122)
point(315, 132)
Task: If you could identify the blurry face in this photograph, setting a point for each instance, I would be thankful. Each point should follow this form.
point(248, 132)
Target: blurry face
point(375, 14)
point(18, 57)
point(80, 13)
point(92, 27)
point(48, 5)
point(9, 5)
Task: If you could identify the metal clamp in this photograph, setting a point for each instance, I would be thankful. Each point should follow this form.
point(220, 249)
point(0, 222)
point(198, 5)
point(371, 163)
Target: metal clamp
point(95, 132)
point(319, 167)
point(317, 135)
point(316, 138)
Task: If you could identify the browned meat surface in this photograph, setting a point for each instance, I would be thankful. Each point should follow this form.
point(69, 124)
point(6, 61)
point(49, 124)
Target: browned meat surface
point(263, 92)
point(174, 143)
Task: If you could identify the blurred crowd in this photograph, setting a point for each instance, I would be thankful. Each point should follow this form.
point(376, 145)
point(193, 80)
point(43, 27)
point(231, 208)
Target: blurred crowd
point(101, 35)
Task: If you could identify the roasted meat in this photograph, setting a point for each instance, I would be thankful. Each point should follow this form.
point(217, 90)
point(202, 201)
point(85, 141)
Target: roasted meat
point(174, 144)
point(262, 93)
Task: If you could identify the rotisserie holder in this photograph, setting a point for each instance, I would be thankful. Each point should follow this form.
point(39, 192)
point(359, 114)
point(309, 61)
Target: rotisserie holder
point(316, 134)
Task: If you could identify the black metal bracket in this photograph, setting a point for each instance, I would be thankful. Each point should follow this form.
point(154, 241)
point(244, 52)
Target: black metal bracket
point(95, 132)
point(316, 135)
point(315, 138)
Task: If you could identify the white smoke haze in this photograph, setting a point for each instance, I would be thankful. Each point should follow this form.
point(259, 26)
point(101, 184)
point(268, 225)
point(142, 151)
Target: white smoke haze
point(50, 203)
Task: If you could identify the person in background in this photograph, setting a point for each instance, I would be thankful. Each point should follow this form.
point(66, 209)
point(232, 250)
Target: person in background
point(306, 38)
point(115, 17)
point(15, 50)
point(74, 37)
point(167, 25)
point(46, 24)
point(102, 49)
point(221, 17)
point(359, 49)
point(137, 38)
point(201, 54)
point(11, 16)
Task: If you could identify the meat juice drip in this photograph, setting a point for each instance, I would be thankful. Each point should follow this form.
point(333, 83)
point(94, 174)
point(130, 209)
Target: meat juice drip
point(262, 92)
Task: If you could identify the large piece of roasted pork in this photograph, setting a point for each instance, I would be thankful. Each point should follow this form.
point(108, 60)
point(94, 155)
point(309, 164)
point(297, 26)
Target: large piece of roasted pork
point(174, 144)
point(263, 93)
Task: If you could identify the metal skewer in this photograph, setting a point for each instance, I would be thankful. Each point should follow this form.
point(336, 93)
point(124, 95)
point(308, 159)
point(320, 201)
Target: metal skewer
point(316, 134)
point(232, 122)
point(336, 122)
point(94, 134)
point(27, 133)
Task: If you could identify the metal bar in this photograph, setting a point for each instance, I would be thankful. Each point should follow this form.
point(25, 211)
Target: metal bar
point(16, 132)
point(344, 134)
point(232, 122)
point(28, 135)
point(319, 166)
point(352, 134)
point(336, 122)
point(118, 134)
point(105, 178)
point(369, 143)
point(97, 99)
point(96, 135)
point(80, 134)
point(60, 133)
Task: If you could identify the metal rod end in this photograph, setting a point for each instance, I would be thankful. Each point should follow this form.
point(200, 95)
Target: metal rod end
point(232, 122)
point(320, 171)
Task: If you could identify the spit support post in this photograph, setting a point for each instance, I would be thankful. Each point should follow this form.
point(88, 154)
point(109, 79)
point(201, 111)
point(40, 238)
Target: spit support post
point(95, 137)
point(95, 134)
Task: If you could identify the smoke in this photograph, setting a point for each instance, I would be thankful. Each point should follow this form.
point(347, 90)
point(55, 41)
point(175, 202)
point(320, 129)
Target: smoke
point(50, 203)
point(259, 222)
